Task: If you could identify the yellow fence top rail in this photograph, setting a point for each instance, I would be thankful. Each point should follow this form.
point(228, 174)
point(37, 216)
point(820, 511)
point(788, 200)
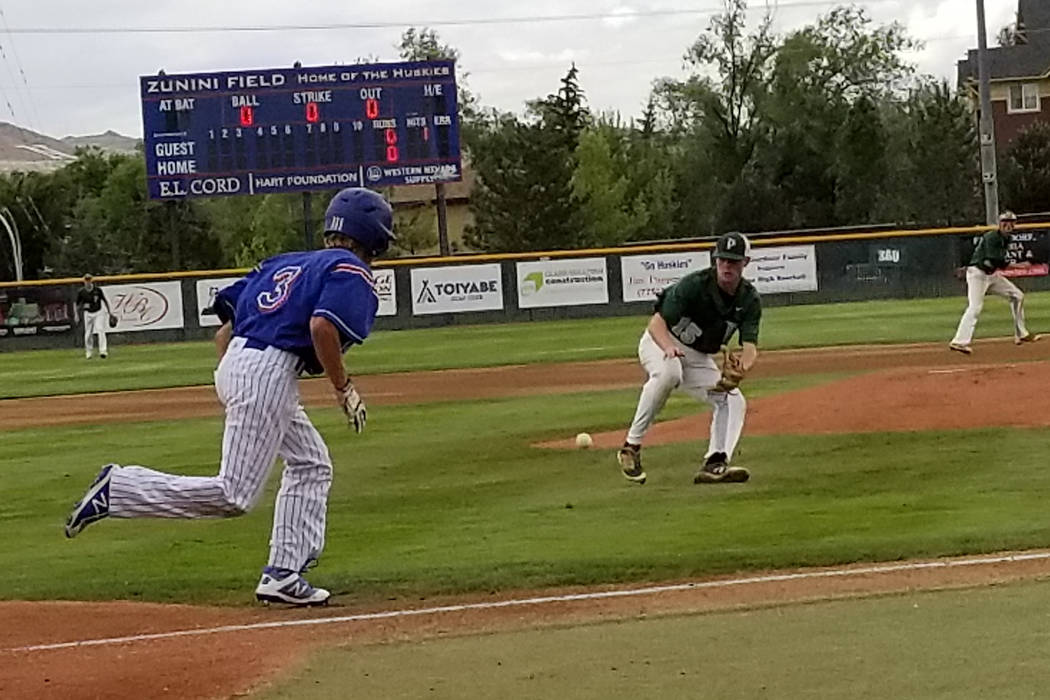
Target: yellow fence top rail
point(540, 255)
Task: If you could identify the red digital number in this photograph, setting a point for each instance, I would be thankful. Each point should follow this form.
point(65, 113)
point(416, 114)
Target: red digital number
point(392, 154)
point(313, 113)
point(391, 137)
point(247, 116)
point(371, 108)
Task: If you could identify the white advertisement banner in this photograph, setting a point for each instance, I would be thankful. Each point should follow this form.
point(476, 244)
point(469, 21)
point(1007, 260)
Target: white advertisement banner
point(150, 306)
point(386, 288)
point(206, 291)
point(562, 283)
point(457, 289)
point(645, 275)
point(783, 269)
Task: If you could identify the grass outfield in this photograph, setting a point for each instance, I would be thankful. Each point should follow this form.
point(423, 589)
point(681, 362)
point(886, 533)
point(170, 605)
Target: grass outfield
point(49, 372)
point(423, 505)
point(915, 646)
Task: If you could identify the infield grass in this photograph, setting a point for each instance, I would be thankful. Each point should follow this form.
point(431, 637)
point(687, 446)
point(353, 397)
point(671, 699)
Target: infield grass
point(50, 372)
point(916, 646)
point(451, 498)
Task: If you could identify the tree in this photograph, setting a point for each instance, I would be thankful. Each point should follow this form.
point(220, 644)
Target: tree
point(523, 197)
point(938, 177)
point(1026, 181)
point(859, 163)
point(416, 230)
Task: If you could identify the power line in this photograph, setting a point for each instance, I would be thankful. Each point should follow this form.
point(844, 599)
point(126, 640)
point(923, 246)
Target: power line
point(28, 99)
point(528, 19)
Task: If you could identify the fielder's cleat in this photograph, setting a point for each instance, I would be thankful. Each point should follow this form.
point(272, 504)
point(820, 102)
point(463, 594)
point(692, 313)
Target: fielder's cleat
point(93, 506)
point(1030, 338)
point(289, 587)
point(716, 470)
point(103, 356)
point(958, 347)
point(630, 460)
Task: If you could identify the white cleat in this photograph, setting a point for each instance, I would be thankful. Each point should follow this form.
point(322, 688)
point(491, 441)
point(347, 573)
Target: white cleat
point(289, 587)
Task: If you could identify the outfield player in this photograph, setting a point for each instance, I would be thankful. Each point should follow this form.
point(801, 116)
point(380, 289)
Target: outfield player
point(984, 275)
point(90, 300)
point(694, 318)
point(295, 312)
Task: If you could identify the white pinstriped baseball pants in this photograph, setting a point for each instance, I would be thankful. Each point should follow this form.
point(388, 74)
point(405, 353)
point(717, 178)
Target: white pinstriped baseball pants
point(264, 420)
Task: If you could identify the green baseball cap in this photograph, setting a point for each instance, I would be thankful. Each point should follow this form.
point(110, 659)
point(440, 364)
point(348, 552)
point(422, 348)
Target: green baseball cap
point(733, 246)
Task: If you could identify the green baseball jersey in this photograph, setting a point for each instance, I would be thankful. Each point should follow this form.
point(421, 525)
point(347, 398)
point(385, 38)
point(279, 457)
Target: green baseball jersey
point(704, 317)
point(990, 253)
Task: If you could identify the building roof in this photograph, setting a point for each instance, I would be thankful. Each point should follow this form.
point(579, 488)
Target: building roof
point(1030, 58)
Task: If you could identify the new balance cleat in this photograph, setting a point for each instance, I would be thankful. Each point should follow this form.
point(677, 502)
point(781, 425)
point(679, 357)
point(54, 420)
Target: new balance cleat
point(630, 460)
point(959, 347)
point(1030, 338)
point(289, 587)
point(716, 470)
point(93, 506)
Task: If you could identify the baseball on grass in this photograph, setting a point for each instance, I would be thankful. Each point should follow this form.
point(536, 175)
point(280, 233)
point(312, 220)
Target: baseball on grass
point(584, 440)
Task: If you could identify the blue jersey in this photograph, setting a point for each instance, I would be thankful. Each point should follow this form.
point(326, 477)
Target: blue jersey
point(274, 303)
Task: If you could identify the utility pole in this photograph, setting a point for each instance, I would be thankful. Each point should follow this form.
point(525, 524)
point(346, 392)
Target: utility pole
point(442, 216)
point(987, 125)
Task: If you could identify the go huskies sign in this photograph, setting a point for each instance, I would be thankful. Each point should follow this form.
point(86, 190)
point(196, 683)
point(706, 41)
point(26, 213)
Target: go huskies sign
point(457, 289)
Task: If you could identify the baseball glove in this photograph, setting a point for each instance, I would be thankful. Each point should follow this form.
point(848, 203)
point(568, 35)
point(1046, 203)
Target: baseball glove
point(112, 321)
point(732, 371)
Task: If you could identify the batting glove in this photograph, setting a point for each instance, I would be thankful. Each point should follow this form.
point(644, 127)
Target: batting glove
point(353, 406)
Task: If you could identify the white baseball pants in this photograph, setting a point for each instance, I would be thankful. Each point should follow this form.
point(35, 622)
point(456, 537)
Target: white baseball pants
point(95, 322)
point(264, 419)
point(696, 373)
point(978, 284)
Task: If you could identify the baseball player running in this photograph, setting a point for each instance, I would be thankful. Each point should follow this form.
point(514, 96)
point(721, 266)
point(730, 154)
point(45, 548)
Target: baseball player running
point(90, 301)
point(293, 313)
point(694, 319)
point(984, 275)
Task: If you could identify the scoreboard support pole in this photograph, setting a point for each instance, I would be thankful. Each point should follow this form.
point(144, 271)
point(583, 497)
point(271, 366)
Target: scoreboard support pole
point(442, 213)
point(308, 236)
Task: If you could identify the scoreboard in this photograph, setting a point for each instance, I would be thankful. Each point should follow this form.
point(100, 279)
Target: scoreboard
point(299, 129)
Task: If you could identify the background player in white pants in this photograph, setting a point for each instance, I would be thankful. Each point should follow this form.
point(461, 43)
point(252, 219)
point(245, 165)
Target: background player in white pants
point(90, 301)
point(294, 312)
point(694, 318)
point(984, 276)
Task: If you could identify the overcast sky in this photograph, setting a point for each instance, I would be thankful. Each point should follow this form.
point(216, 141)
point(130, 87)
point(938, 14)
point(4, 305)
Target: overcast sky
point(73, 84)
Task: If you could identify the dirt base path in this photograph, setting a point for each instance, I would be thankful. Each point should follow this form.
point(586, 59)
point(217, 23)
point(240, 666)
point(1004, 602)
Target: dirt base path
point(514, 380)
point(124, 650)
point(204, 653)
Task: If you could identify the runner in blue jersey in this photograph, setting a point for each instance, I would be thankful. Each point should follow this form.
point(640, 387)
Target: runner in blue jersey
point(294, 313)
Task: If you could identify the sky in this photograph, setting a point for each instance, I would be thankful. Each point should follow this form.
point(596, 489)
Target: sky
point(61, 83)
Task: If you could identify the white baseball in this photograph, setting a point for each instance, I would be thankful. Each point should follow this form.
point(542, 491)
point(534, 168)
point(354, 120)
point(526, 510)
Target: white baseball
point(584, 440)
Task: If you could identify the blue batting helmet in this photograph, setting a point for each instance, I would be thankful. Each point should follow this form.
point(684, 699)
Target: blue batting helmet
point(363, 215)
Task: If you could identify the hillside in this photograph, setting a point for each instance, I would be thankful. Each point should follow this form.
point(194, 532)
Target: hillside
point(24, 149)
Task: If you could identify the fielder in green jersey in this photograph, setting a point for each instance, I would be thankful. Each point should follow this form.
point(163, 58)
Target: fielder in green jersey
point(984, 275)
point(694, 319)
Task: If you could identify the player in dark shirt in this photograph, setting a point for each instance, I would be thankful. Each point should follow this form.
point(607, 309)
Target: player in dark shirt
point(694, 318)
point(90, 300)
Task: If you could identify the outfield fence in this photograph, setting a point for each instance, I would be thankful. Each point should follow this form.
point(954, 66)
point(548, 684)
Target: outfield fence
point(467, 289)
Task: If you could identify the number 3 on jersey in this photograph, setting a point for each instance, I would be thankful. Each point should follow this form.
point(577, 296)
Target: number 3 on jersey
point(283, 280)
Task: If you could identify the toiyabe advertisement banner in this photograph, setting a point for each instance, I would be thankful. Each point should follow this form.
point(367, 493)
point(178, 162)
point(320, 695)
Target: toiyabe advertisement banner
point(456, 289)
point(1029, 249)
point(35, 311)
point(644, 276)
point(386, 288)
point(206, 291)
point(150, 306)
point(781, 269)
point(562, 283)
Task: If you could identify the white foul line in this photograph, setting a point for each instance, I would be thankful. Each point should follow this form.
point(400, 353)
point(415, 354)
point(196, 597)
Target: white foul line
point(543, 600)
